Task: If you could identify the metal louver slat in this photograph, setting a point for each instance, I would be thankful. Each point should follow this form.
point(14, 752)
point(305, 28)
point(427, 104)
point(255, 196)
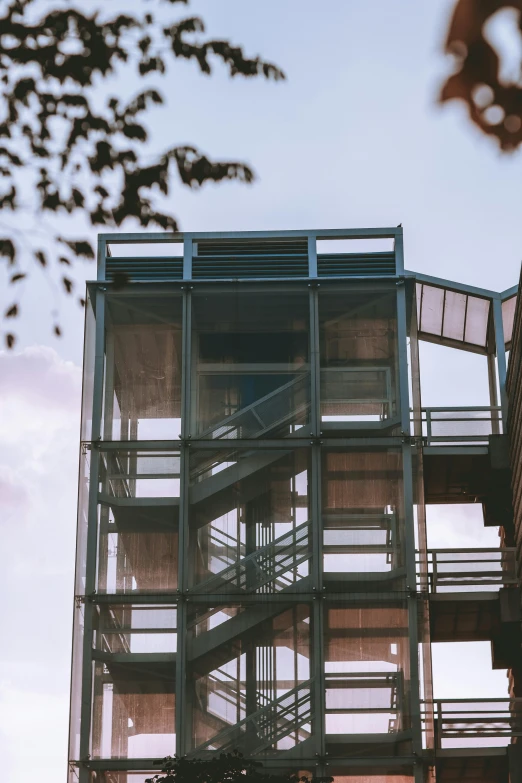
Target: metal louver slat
point(145, 269)
point(348, 265)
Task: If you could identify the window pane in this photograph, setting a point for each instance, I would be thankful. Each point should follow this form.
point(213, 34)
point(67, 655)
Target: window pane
point(251, 372)
point(142, 396)
point(358, 336)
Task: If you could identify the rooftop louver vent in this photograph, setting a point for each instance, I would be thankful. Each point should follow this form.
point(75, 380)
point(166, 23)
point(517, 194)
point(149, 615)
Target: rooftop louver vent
point(145, 269)
point(227, 259)
point(360, 265)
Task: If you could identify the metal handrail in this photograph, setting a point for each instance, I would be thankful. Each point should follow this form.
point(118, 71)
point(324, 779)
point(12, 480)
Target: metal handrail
point(225, 428)
point(479, 567)
point(274, 564)
point(461, 719)
point(491, 421)
point(267, 725)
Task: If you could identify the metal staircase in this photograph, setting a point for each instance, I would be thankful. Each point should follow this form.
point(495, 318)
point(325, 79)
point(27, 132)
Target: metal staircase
point(270, 569)
point(288, 716)
point(212, 644)
point(279, 408)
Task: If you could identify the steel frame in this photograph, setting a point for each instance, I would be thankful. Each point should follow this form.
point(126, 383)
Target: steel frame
point(314, 441)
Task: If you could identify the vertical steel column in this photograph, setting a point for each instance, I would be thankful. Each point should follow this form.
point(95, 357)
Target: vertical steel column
point(500, 346)
point(493, 393)
point(92, 523)
point(411, 576)
point(399, 251)
point(317, 651)
point(183, 717)
point(183, 720)
point(187, 256)
point(312, 256)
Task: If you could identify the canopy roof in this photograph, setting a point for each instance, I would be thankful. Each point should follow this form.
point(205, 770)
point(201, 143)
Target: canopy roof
point(461, 316)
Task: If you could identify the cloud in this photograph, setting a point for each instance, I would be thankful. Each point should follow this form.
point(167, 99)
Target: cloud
point(40, 377)
point(39, 438)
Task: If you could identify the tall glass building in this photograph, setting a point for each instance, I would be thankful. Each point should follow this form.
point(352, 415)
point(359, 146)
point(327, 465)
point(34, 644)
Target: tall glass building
point(252, 566)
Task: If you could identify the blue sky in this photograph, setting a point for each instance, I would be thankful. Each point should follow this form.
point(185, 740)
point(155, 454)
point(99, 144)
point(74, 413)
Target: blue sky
point(353, 138)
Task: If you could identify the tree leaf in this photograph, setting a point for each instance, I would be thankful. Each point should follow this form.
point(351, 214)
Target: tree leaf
point(80, 247)
point(10, 340)
point(8, 250)
point(17, 277)
point(68, 284)
point(477, 71)
point(12, 311)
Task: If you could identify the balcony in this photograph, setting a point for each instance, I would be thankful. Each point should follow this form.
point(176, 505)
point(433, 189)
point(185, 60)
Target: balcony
point(460, 426)
point(467, 589)
point(467, 570)
point(475, 723)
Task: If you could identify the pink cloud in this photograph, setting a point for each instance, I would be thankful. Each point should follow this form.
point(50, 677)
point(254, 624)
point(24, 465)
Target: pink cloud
point(39, 376)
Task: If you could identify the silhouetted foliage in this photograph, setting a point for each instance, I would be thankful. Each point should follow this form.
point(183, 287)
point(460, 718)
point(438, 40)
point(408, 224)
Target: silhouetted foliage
point(495, 107)
point(225, 768)
point(65, 150)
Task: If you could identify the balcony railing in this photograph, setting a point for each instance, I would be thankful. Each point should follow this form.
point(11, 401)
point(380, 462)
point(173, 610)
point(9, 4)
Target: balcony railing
point(455, 570)
point(475, 722)
point(460, 425)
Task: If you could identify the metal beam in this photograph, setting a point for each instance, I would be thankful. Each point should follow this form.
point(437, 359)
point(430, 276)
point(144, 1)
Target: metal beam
point(335, 233)
point(451, 285)
point(500, 348)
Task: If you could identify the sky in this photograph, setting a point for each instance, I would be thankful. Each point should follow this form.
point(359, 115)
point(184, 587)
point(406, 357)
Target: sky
point(353, 138)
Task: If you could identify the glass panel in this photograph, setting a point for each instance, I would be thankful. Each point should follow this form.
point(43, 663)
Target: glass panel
point(83, 519)
point(508, 317)
point(367, 669)
point(133, 709)
point(79, 590)
point(477, 316)
point(454, 315)
point(76, 682)
point(138, 521)
point(251, 363)
point(431, 307)
point(142, 394)
point(250, 686)
point(358, 336)
point(249, 520)
point(136, 628)
point(89, 346)
point(363, 518)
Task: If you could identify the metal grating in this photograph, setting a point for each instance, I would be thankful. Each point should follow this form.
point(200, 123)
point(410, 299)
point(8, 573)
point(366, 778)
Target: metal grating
point(351, 265)
point(145, 269)
point(250, 258)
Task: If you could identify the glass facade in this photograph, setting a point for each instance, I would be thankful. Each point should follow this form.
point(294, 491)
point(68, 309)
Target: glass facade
point(251, 523)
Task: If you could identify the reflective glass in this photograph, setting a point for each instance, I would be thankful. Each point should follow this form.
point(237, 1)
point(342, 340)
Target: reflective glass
point(138, 521)
point(367, 669)
point(250, 685)
point(142, 387)
point(251, 374)
point(135, 628)
point(363, 518)
point(133, 709)
point(358, 354)
point(249, 520)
